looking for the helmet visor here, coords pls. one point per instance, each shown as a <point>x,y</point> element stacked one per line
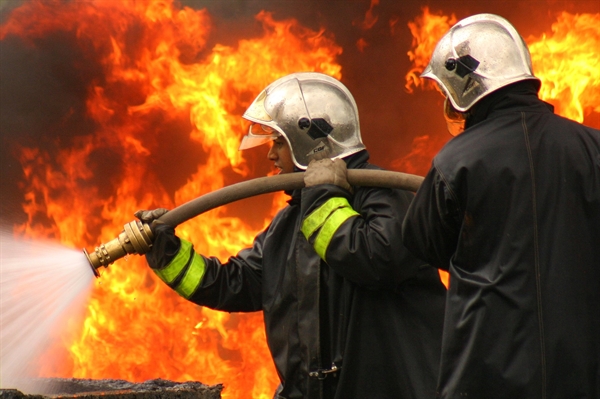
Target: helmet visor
<point>256,112</point>
<point>258,134</point>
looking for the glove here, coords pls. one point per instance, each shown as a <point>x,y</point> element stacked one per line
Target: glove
<point>165,246</point>
<point>150,217</point>
<point>327,171</point>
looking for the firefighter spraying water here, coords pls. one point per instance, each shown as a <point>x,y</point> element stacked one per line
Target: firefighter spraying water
<point>136,237</point>
<point>326,261</point>
<point>79,215</point>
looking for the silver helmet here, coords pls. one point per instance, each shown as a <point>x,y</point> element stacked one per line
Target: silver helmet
<point>478,55</point>
<point>315,113</point>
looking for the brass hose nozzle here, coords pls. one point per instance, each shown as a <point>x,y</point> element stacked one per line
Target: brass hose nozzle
<point>136,238</point>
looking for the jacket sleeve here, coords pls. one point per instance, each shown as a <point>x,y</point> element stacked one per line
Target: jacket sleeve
<point>234,286</point>
<point>432,224</point>
<point>359,236</point>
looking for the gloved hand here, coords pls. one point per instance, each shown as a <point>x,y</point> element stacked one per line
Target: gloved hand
<point>165,244</point>
<point>149,217</point>
<point>326,171</point>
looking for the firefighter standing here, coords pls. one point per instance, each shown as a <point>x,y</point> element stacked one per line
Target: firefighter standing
<point>511,208</point>
<point>348,312</point>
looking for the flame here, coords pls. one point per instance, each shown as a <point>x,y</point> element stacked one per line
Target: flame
<point>567,64</point>
<point>365,24</point>
<point>361,44</point>
<point>153,83</point>
<point>427,29</point>
<point>370,18</point>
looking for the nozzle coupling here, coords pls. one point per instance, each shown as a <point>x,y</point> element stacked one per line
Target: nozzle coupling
<point>136,238</point>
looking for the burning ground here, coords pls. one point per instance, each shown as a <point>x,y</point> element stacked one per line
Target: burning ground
<point>110,107</point>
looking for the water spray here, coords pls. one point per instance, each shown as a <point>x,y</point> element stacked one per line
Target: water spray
<point>137,237</point>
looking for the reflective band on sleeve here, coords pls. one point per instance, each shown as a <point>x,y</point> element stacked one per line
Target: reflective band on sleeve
<point>170,272</point>
<point>316,219</point>
<point>192,277</point>
<point>330,227</point>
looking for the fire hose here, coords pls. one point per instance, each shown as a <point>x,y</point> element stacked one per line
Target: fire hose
<point>137,237</point>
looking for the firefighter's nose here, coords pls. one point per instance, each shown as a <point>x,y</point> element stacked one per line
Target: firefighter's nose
<point>272,154</point>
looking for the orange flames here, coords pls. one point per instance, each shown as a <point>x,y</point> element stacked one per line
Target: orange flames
<point>164,119</point>
<point>427,30</point>
<point>567,63</point>
<point>156,83</point>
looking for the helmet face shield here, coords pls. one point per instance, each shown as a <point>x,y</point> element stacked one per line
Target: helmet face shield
<point>256,111</point>
<point>258,134</point>
<point>315,113</point>
<point>258,129</point>
<point>261,130</point>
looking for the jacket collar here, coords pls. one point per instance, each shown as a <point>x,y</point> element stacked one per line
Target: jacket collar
<point>520,94</point>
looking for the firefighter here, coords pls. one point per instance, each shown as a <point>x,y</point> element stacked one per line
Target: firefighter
<point>511,208</point>
<point>348,312</point>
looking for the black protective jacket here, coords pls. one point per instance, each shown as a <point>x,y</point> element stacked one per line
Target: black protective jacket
<point>511,207</point>
<point>372,310</point>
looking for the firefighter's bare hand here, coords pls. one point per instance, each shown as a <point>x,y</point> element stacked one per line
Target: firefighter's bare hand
<point>327,171</point>
<point>150,217</point>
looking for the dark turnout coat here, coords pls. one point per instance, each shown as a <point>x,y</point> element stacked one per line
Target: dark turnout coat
<point>511,207</point>
<point>373,311</point>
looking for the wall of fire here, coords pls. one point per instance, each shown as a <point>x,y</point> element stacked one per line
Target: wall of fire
<point>109,107</point>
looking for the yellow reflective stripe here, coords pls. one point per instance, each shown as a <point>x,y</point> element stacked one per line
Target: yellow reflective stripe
<point>316,219</point>
<point>170,272</point>
<point>191,278</point>
<point>330,227</point>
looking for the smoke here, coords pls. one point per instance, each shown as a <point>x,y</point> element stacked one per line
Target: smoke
<point>7,5</point>
<point>43,102</point>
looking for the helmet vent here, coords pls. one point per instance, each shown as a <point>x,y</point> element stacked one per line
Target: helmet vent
<point>304,123</point>
<point>450,64</point>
